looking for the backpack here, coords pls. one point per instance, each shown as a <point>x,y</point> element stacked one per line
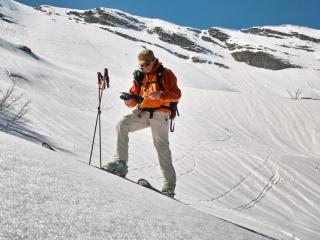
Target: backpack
<point>138,76</point>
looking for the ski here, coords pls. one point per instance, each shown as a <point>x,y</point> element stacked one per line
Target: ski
<point>141,182</point>
<point>144,183</point>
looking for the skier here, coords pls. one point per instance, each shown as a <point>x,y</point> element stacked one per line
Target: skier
<point>152,92</point>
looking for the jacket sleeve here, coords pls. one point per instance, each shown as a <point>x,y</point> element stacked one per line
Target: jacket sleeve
<point>171,92</point>
<point>134,88</point>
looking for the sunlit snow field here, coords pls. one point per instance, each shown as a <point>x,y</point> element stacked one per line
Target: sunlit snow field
<point>243,150</point>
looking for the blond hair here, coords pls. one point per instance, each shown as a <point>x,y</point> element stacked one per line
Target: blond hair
<point>146,55</point>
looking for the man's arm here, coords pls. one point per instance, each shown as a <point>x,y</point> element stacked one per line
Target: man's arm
<point>171,92</point>
<point>132,102</point>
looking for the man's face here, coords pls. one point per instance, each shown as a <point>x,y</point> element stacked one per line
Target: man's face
<point>147,66</point>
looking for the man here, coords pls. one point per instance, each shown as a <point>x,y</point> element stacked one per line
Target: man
<point>152,104</point>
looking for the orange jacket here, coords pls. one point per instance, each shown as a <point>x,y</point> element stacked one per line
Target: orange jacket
<point>171,92</point>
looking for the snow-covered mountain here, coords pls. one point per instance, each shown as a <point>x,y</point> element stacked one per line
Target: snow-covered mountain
<point>243,149</point>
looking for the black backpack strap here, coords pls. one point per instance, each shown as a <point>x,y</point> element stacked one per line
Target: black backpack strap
<point>160,71</point>
<point>173,106</point>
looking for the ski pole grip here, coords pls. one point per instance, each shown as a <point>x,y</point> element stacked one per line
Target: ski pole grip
<point>106,77</point>
<point>100,79</point>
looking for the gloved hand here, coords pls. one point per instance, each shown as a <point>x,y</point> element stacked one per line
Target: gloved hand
<point>126,96</point>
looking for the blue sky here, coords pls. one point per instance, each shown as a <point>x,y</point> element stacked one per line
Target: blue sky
<point>203,14</point>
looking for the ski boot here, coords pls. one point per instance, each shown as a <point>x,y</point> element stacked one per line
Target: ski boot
<point>117,167</point>
<point>168,189</point>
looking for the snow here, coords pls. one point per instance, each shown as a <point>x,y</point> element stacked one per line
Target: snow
<point>243,150</point>
<point>49,195</point>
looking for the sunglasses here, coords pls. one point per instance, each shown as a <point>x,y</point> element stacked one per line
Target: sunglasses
<point>146,64</point>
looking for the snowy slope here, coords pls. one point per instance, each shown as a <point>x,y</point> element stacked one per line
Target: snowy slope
<point>243,150</point>
<point>49,195</point>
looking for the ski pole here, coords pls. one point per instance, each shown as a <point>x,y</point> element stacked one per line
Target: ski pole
<point>103,81</point>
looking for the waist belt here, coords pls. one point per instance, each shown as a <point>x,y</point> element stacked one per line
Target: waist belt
<point>151,111</point>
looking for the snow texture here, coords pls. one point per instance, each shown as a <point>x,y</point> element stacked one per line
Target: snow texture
<point>243,150</point>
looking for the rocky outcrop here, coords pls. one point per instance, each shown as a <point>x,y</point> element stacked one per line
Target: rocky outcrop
<point>218,34</point>
<point>200,60</point>
<point>143,41</point>
<point>123,35</point>
<point>266,32</point>
<point>300,47</point>
<point>196,59</point>
<point>196,31</point>
<point>221,65</point>
<point>178,39</point>
<point>5,18</point>
<point>276,34</point>
<point>116,19</point>
<point>305,37</point>
<point>262,60</point>
<point>209,39</point>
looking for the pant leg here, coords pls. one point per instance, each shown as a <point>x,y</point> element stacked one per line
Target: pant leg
<point>160,133</point>
<point>129,123</point>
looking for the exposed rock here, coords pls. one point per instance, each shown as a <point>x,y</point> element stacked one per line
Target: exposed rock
<point>102,17</point>
<point>266,32</point>
<point>199,60</point>
<point>6,18</point>
<point>123,35</point>
<point>233,46</point>
<point>270,49</point>
<point>300,47</point>
<point>262,60</point>
<point>131,19</point>
<point>276,34</point>
<point>202,60</point>
<point>305,37</point>
<point>218,34</point>
<point>221,65</point>
<point>178,39</point>
<point>209,39</point>
<point>143,41</point>
<point>178,54</point>
<point>174,53</point>
<point>90,17</point>
<point>197,31</point>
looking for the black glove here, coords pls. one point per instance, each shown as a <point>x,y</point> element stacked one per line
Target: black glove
<point>127,96</point>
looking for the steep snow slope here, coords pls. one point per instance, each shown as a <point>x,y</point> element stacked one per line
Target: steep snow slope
<point>48,195</point>
<point>243,150</point>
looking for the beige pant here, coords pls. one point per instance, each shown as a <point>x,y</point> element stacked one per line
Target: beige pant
<point>159,124</point>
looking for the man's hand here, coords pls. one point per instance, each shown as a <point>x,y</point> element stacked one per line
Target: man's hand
<point>154,95</point>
